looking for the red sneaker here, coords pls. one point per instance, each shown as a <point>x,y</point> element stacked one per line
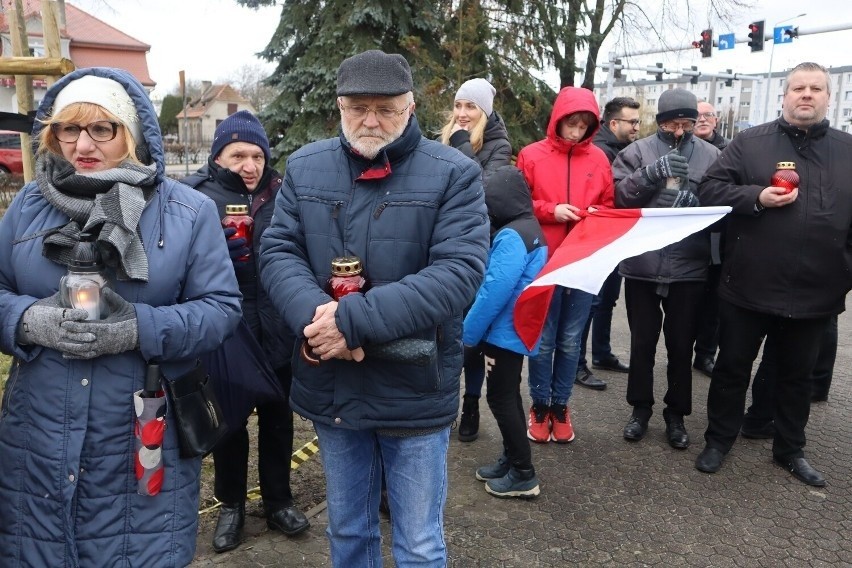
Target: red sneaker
<point>563,430</point>
<point>538,426</point>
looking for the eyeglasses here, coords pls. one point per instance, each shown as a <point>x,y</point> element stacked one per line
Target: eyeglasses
<point>99,131</point>
<point>360,111</point>
<point>633,122</point>
<point>674,126</point>
<point>707,115</point>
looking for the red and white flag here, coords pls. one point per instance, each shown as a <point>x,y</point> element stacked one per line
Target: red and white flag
<point>595,246</point>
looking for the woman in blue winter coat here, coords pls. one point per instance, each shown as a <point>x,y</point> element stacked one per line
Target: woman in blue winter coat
<point>518,253</point>
<point>68,487</point>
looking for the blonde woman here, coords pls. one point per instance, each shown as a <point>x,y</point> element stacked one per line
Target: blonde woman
<point>477,131</point>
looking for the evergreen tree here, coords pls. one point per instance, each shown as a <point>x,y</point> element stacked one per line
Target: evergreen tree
<point>172,105</point>
<point>311,40</point>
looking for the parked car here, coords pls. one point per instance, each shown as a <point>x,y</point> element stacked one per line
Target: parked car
<point>10,153</point>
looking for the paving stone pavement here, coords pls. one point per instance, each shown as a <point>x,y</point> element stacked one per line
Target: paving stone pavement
<point>609,502</point>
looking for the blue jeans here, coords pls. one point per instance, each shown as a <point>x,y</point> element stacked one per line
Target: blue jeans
<point>416,473</point>
<point>552,376</point>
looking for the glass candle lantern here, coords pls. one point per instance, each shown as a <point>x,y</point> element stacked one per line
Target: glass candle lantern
<point>237,217</point>
<point>81,287</point>
<point>786,176</point>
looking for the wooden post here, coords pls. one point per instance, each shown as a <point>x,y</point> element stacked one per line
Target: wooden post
<point>50,29</point>
<point>23,83</point>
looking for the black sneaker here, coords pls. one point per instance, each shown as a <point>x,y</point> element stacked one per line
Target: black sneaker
<point>469,424</point>
<point>495,470</point>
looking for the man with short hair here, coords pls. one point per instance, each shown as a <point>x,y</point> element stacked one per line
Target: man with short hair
<point>787,266</point>
<point>619,127</point>
<point>705,126</point>
<point>707,340</point>
<point>238,172</point>
<point>663,288</point>
<point>412,210</point>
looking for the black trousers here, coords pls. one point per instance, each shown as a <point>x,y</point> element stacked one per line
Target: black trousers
<point>797,343</point>
<point>646,309</point>
<point>762,409</point>
<point>707,335</point>
<point>503,376</point>
<point>275,447</point>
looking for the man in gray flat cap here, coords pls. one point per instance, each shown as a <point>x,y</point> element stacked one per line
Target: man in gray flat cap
<point>412,211</point>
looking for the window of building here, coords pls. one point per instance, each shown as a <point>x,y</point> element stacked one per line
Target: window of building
<point>847,111</point>
<point>847,96</point>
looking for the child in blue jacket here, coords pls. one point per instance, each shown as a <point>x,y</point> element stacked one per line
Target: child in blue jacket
<point>518,252</point>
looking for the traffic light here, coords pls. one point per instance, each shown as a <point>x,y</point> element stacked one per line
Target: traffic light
<point>792,32</point>
<point>694,79</point>
<point>617,74</point>
<point>729,81</point>
<point>705,44</point>
<point>659,76</point>
<point>755,34</point>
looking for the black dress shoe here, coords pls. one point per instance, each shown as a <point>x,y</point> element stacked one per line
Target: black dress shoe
<point>704,365</point>
<point>635,429</point>
<point>611,363</point>
<point>819,396</point>
<point>229,527</point>
<point>765,431</point>
<point>802,470</point>
<point>289,520</point>
<point>709,460</point>
<point>587,379</point>
<point>676,433</point>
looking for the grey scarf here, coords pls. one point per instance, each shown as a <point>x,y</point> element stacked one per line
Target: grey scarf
<point>107,203</point>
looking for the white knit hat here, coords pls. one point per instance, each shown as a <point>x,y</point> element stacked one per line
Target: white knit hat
<point>480,92</point>
<point>103,92</point>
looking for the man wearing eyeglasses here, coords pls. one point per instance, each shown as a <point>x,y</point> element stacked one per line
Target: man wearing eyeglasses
<point>705,125</point>
<point>619,127</point>
<point>413,211</point>
<point>663,289</point>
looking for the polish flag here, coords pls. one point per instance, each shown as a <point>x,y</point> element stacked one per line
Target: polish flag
<point>595,246</point>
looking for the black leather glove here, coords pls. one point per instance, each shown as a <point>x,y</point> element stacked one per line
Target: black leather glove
<point>42,323</point>
<point>676,198</point>
<point>116,333</point>
<point>237,248</point>
<point>670,165</point>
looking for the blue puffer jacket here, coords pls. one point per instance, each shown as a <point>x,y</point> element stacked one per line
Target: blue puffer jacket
<point>67,485</point>
<point>518,253</point>
<point>416,218</point>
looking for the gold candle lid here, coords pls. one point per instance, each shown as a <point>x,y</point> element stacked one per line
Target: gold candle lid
<point>786,165</point>
<point>346,266</point>
<point>236,209</point>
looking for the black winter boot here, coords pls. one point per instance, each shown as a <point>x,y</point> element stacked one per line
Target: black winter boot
<point>469,425</point>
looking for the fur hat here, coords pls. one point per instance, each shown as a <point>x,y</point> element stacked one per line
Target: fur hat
<point>478,91</point>
<point>242,126</point>
<point>676,103</point>
<point>103,92</point>
<point>374,72</point>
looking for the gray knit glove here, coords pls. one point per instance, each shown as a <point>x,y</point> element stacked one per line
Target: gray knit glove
<point>42,323</point>
<point>114,334</point>
<point>670,165</point>
<point>676,198</point>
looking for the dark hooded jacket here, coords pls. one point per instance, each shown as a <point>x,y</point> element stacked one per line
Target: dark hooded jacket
<point>606,140</point>
<point>518,253</point>
<point>496,149</point>
<point>68,492</point>
<point>227,188</point>
<point>560,171</point>
<point>793,261</point>
<point>687,259</point>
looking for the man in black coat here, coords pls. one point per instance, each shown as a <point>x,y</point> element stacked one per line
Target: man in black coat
<point>238,173</point>
<point>619,127</point>
<point>787,265</point>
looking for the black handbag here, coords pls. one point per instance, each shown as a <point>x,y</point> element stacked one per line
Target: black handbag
<point>200,424</point>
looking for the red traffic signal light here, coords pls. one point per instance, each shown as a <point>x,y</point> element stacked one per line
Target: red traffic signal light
<point>755,34</point>
<point>705,44</point>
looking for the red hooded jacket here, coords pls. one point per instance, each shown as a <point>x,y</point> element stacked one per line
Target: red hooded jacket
<point>560,171</point>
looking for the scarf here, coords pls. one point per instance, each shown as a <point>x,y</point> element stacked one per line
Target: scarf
<point>108,204</point>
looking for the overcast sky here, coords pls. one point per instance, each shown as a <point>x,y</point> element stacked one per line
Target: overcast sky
<point>209,38</point>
